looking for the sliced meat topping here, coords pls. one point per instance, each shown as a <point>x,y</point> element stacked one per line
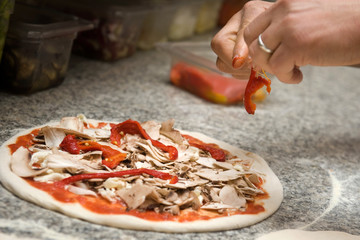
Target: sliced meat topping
<point>153,151</point>
<point>136,195</point>
<point>81,190</point>
<point>219,175</point>
<point>20,164</point>
<point>152,128</point>
<point>167,129</point>
<point>197,180</point>
<point>72,123</point>
<point>229,196</point>
<point>53,136</point>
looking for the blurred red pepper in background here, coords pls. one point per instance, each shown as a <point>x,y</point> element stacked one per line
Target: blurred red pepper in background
<point>208,85</point>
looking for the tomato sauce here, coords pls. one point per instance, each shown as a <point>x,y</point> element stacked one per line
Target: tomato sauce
<point>24,141</point>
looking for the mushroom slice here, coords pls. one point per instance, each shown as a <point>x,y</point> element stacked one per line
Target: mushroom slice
<point>168,131</point>
<point>178,185</point>
<point>212,163</point>
<point>152,128</point>
<point>157,198</point>
<point>97,133</point>
<point>140,164</point>
<point>224,165</point>
<point>219,176</point>
<point>214,196</point>
<point>153,151</point>
<point>73,123</point>
<point>174,209</point>
<point>81,189</point>
<point>20,161</point>
<point>154,161</point>
<point>216,206</point>
<point>172,196</point>
<point>38,148</point>
<point>211,193</point>
<point>60,162</point>
<point>76,133</point>
<point>115,183</point>
<point>229,196</point>
<point>254,179</point>
<point>38,159</point>
<point>75,163</point>
<point>206,161</point>
<point>51,177</point>
<point>136,195</point>
<point>53,136</point>
<point>241,164</point>
<point>189,199</point>
<point>108,194</point>
<point>194,182</point>
<point>90,159</point>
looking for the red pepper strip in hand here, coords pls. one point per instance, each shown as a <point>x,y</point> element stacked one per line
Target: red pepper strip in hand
<point>111,157</point>
<point>70,144</point>
<point>162,175</point>
<point>215,152</point>
<point>254,84</point>
<point>134,127</point>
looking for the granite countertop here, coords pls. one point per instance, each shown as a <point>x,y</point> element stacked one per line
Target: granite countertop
<point>308,133</point>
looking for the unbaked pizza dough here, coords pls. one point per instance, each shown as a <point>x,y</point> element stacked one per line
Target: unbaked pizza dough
<point>21,188</point>
<point>293,234</point>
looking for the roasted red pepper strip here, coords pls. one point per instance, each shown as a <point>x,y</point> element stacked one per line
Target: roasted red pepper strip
<point>70,144</point>
<point>215,152</point>
<point>132,172</point>
<point>111,157</point>
<point>254,84</point>
<point>134,127</point>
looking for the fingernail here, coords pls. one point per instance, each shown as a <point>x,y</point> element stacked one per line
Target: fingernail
<point>238,61</point>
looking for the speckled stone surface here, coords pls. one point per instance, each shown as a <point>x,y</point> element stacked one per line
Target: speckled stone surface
<point>308,133</point>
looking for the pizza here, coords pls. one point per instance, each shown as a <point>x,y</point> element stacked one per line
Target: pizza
<point>144,176</point>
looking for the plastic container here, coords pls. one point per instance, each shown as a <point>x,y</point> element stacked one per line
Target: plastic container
<point>193,69</point>
<point>37,48</point>
<point>118,26</point>
<point>208,16</point>
<point>184,21</point>
<point>6,9</point>
<point>157,23</point>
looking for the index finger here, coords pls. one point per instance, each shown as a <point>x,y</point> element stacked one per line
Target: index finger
<point>250,11</point>
<point>223,42</point>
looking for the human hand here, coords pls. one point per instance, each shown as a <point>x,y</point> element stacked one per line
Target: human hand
<point>299,32</point>
<point>229,43</point>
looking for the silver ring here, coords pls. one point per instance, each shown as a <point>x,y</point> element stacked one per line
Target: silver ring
<point>263,46</point>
